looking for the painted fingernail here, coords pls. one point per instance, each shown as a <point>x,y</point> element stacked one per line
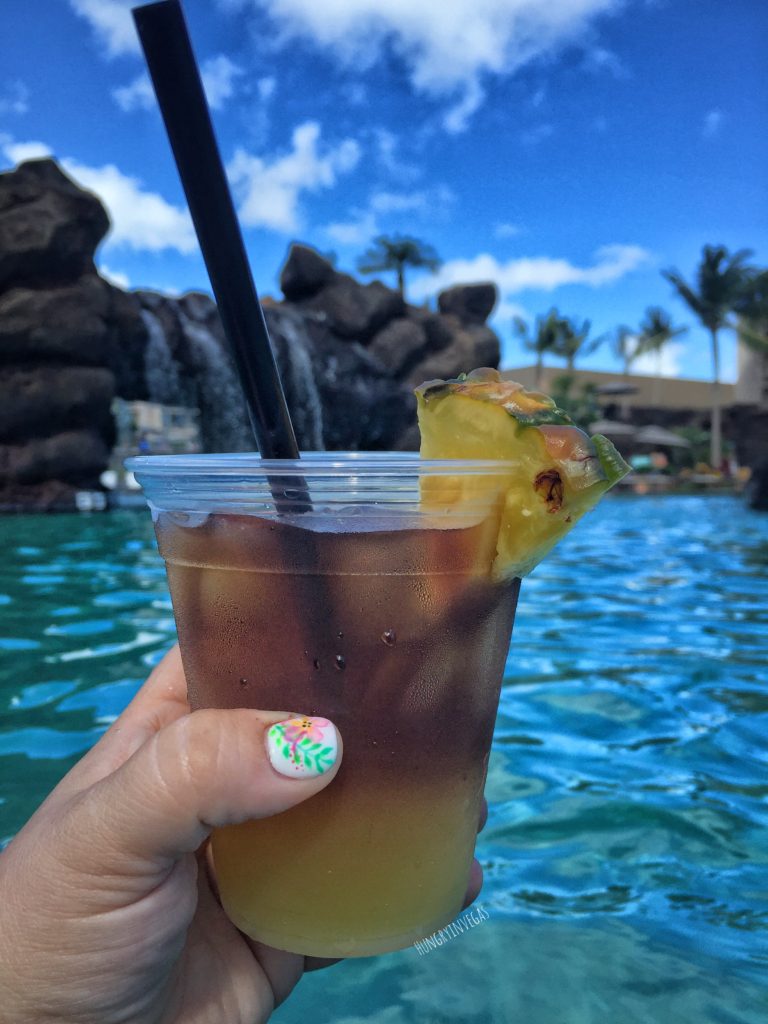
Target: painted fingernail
<point>303,748</point>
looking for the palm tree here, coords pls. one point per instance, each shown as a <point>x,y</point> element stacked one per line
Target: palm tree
<point>543,339</point>
<point>397,252</point>
<point>573,340</point>
<point>624,344</point>
<point>722,279</point>
<point>752,312</point>
<point>655,331</point>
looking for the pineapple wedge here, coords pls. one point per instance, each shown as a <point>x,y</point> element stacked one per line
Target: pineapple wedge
<point>557,472</point>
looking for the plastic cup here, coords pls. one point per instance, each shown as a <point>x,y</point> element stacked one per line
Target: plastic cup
<point>375,610</point>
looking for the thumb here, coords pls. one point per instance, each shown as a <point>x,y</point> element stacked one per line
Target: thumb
<point>207,769</point>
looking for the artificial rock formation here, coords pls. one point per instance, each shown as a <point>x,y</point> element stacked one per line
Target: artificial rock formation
<point>61,330</point>
<point>349,353</point>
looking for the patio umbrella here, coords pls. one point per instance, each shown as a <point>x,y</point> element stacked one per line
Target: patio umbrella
<point>612,428</point>
<point>658,437</point>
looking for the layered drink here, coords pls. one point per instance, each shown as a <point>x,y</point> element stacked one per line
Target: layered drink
<point>389,624</point>
<point>377,591</point>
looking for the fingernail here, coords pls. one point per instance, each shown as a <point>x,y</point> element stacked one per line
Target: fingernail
<point>302,748</point>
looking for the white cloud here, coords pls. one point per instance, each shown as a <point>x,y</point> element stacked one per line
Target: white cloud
<point>712,123</point>
<point>397,202</point>
<point>15,98</point>
<point>456,119</point>
<point>387,146</point>
<point>265,88</point>
<point>115,277</point>
<point>364,224</point>
<point>361,229</point>
<point>141,220</point>
<point>218,75</point>
<point>139,95</point>
<point>666,363</point>
<point>539,96</point>
<point>533,136</point>
<point>598,59</point>
<point>505,311</point>
<point>356,94</point>
<point>269,191</point>
<point>448,46</point>
<point>111,22</point>
<point>540,273</point>
<point>400,202</point>
<point>507,230</point>
<point>18,152</point>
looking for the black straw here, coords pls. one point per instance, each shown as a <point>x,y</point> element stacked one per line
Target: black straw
<point>179,89</point>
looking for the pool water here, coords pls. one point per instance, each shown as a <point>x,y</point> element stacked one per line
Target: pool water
<point>626,853</point>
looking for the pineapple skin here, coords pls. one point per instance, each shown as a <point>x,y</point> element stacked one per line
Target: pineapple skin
<point>557,472</point>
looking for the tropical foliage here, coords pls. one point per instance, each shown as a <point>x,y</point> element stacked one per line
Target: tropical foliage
<point>656,330</point>
<point>557,335</point>
<point>579,401</point>
<point>573,340</point>
<point>541,340</point>
<point>624,345</point>
<point>752,312</point>
<point>396,252</point>
<point>723,280</point>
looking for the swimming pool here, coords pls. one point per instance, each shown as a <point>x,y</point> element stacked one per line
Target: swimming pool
<point>626,854</point>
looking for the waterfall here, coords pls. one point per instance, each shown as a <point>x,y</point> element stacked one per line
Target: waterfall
<point>160,371</point>
<point>196,371</point>
<point>222,409</point>
<point>301,386</point>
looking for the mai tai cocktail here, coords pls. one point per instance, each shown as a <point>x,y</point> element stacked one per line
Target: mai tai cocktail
<point>386,607</point>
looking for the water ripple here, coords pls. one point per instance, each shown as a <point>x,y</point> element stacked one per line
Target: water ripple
<point>625,855</point>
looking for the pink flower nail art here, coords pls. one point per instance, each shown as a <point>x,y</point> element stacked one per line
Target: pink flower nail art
<point>302,747</point>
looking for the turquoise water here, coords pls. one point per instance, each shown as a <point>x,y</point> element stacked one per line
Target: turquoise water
<point>626,854</point>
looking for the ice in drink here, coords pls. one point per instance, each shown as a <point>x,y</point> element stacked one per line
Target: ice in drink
<point>399,636</point>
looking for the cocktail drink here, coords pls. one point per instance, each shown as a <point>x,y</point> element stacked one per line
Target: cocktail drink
<point>377,594</point>
<point>372,610</point>
<point>377,591</point>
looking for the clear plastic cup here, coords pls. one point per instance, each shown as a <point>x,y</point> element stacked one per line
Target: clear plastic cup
<point>374,608</point>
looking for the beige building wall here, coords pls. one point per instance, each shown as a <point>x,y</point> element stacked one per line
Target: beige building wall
<point>658,392</point>
<point>752,383</point>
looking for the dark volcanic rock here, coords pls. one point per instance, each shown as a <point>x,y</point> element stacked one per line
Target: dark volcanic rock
<point>66,324</point>
<point>61,327</point>
<point>70,341</point>
<point>47,496</point>
<point>336,392</point>
<point>126,342</point>
<point>304,273</point>
<point>49,226</point>
<point>38,401</point>
<point>75,456</point>
<point>756,492</point>
<point>439,331</point>
<point>399,345</point>
<point>470,348</point>
<point>353,310</point>
<point>487,348</point>
<point>471,303</point>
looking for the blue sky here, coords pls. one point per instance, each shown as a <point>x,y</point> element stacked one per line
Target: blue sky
<point>568,149</point>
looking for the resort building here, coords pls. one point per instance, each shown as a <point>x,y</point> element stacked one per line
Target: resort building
<point>632,391</point>
<point>149,427</point>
